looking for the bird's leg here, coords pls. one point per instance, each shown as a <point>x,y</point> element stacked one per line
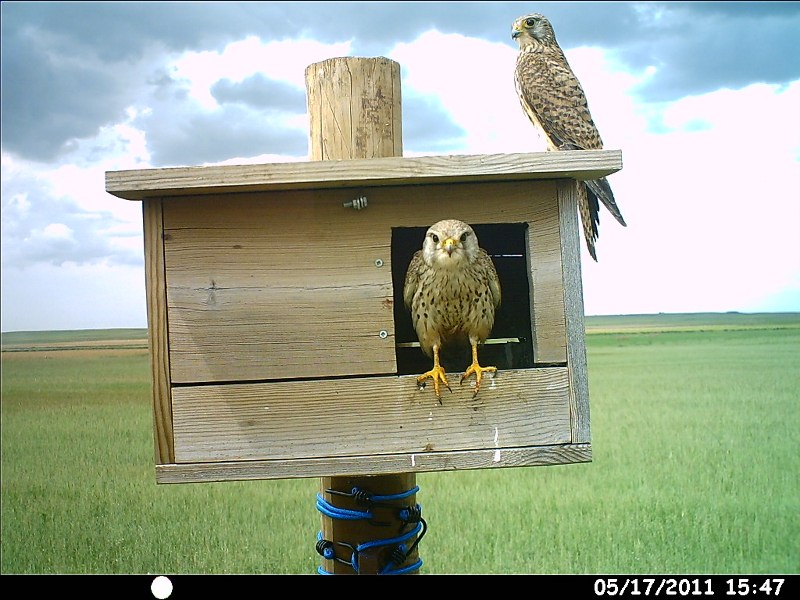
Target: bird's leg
<point>436,373</point>
<point>476,369</point>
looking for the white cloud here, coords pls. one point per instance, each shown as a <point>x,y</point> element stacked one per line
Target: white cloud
<point>56,231</point>
<point>712,211</point>
<point>69,296</point>
<point>699,189</point>
<point>477,90</point>
<point>283,60</point>
<point>709,184</point>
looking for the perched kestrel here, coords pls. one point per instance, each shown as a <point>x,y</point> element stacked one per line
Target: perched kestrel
<point>553,99</point>
<point>452,290</point>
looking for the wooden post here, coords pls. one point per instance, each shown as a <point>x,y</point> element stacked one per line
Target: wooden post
<point>355,111</point>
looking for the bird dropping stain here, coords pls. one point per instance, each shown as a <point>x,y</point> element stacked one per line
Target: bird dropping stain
<point>211,300</point>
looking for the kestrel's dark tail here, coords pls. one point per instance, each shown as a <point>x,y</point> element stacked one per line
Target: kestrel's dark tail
<point>602,191</point>
<point>588,208</point>
<point>589,197</point>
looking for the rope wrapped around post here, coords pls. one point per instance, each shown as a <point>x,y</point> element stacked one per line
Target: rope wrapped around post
<point>395,549</point>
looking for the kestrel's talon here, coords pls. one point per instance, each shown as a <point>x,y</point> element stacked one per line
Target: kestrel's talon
<point>477,370</point>
<point>438,375</point>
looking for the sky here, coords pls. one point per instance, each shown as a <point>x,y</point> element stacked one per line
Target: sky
<point>702,98</point>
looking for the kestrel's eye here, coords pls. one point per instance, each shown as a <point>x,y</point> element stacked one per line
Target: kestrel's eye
<point>435,238</point>
<point>464,236</point>
<point>530,22</point>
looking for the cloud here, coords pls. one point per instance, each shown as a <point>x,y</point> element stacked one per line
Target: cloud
<point>261,92</point>
<point>40,226</point>
<point>72,296</point>
<point>45,103</point>
<point>92,87</point>
<point>71,68</point>
<point>711,211</point>
<point>697,47</point>
<point>245,99</point>
<point>477,92</point>
<point>178,137</point>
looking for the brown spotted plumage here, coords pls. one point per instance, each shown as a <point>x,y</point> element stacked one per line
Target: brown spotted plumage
<point>452,291</point>
<point>554,100</point>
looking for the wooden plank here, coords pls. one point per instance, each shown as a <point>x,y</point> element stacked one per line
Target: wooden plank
<point>355,109</point>
<point>289,287</point>
<point>158,336</point>
<point>573,303</point>
<point>320,174</point>
<point>392,463</point>
<point>546,283</point>
<point>275,333</point>
<point>277,300</point>
<point>368,416</point>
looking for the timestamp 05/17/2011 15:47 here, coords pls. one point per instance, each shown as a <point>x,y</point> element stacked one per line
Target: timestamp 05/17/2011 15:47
<point>716,585</point>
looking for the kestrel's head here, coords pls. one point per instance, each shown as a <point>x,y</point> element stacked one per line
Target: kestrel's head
<point>533,29</point>
<point>450,244</point>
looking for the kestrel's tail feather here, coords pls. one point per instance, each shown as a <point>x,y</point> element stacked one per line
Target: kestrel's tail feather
<point>588,208</point>
<point>600,188</point>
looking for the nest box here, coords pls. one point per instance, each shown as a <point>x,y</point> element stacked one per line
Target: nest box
<point>279,341</point>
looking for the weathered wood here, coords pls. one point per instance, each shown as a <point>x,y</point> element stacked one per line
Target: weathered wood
<point>266,421</point>
<point>266,294</point>
<point>257,292</point>
<point>355,109</point>
<point>418,462</point>
<point>355,112</point>
<point>573,303</point>
<point>373,172</point>
<point>546,282</point>
<point>157,334</point>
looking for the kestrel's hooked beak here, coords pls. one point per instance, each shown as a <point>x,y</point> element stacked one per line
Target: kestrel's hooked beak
<point>449,246</point>
<point>515,33</point>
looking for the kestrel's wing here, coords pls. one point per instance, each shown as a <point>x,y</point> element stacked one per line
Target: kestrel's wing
<point>599,188</point>
<point>494,280</point>
<point>412,278</point>
<point>554,99</point>
<point>589,212</point>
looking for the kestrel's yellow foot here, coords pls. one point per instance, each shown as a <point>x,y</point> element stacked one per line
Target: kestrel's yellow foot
<point>478,371</point>
<point>438,375</point>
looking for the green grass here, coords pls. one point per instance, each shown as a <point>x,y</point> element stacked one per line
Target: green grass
<point>69,335</point>
<point>695,432</point>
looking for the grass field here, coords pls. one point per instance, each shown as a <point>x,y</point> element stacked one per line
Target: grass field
<point>695,427</point>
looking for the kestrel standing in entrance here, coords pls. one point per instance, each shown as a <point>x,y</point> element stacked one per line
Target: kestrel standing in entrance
<point>553,99</point>
<point>453,291</point>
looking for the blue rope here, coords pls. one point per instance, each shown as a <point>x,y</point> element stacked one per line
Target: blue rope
<point>335,512</point>
<point>399,496</point>
<point>389,541</point>
<point>403,571</point>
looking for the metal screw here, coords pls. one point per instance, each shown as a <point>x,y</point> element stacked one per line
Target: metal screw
<point>383,334</point>
<point>378,263</point>
<point>357,203</point>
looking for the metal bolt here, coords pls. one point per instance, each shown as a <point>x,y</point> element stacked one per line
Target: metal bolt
<point>378,263</point>
<point>383,334</point>
<point>357,203</point>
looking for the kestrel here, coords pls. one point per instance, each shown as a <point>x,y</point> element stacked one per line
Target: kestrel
<point>452,291</point>
<point>553,99</point>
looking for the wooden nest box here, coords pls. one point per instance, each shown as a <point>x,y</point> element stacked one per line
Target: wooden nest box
<point>280,343</point>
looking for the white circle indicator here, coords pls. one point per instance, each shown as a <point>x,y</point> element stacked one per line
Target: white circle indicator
<point>161,587</point>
